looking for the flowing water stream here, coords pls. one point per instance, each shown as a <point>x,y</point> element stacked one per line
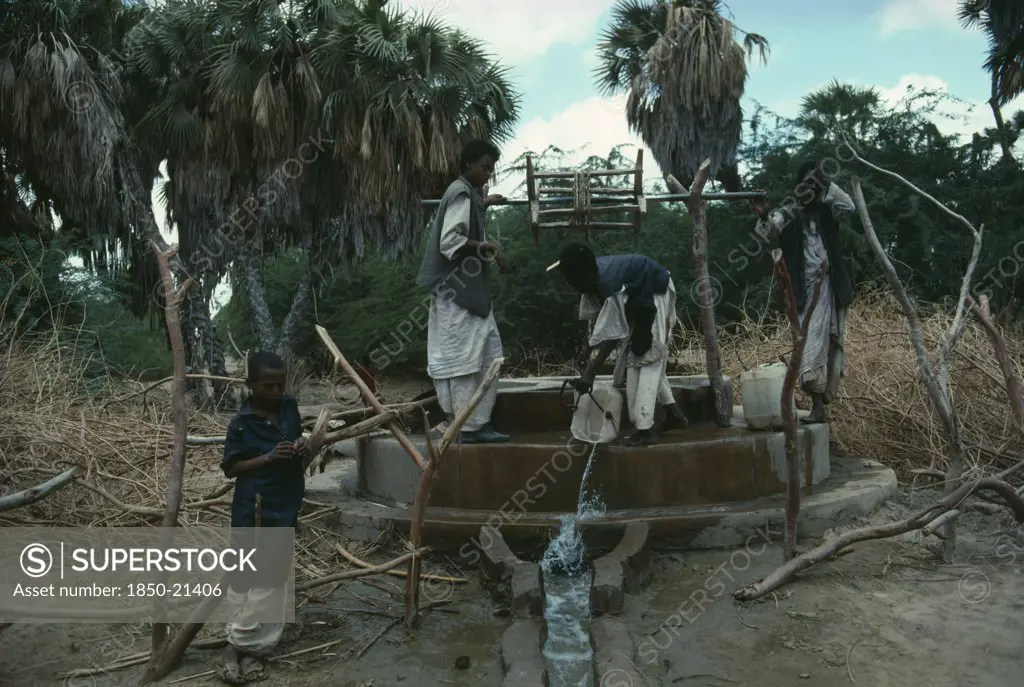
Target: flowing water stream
<point>567,580</point>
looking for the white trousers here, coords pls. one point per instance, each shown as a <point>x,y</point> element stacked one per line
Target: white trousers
<point>646,388</point>
<point>247,634</point>
<point>454,393</point>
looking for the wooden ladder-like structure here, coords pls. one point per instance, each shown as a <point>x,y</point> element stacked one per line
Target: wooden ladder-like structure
<point>582,202</point>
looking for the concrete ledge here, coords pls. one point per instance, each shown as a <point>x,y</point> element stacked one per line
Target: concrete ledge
<point>522,656</point>
<point>614,654</point>
<point>514,582</point>
<point>625,569</point>
<point>855,488</point>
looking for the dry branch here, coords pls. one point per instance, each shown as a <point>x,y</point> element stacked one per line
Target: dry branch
<point>799,334</point>
<point>1013,391</point>
<point>397,573</point>
<point>713,356</point>
<point>168,660</point>
<point>412,582</point>
<point>938,385</point>
<point>154,385</point>
<point>172,299</point>
<point>832,548</point>
<point>936,380</point>
<point>341,363</point>
<point>1013,386</point>
<point>41,491</point>
<point>316,442</point>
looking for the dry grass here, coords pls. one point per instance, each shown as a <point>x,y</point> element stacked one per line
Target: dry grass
<point>882,411</point>
<point>52,417</point>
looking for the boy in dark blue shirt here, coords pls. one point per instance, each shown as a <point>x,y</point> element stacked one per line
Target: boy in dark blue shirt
<point>266,454</point>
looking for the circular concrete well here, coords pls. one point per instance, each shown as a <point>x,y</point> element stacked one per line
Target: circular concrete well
<point>701,487</point>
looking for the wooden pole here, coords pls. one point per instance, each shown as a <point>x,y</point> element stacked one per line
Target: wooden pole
<point>798,332</point>
<point>412,580</point>
<point>371,400</point>
<point>713,356</point>
<point>172,299</point>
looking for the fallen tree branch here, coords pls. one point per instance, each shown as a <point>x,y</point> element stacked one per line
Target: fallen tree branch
<point>38,492</point>
<point>798,331</point>
<point>362,572</point>
<point>412,581</point>
<point>832,548</point>
<point>169,659</point>
<point>397,573</point>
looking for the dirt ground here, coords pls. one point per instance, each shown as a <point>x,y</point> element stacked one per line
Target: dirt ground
<point>889,613</point>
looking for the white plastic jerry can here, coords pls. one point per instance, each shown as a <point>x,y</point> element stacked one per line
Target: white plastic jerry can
<point>597,416</point>
<point>762,396</point>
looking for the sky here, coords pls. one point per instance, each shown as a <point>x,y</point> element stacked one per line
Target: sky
<point>550,47</point>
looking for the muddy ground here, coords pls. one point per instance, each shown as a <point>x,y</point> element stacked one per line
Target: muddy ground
<point>889,613</point>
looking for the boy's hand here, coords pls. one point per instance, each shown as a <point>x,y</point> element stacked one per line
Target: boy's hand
<point>302,447</point>
<point>283,451</point>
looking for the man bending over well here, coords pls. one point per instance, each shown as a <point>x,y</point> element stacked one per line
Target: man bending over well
<point>631,301</point>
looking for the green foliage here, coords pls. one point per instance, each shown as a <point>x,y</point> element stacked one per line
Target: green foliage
<point>41,296</point>
<point>376,310</point>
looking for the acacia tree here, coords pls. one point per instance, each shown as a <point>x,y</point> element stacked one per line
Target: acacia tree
<point>685,73</point>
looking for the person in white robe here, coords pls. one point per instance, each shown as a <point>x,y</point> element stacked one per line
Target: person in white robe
<point>462,335</point>
<point>631,302</point>
<point>808,231</point>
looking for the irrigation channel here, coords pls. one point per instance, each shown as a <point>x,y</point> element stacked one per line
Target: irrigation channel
<point>567,575</point>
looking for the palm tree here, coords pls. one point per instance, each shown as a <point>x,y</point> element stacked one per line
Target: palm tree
<point>379,101</point>
<point>839,106</point>
<point>685,74</point>
<point>1003,22</point>
<point>61,128</point>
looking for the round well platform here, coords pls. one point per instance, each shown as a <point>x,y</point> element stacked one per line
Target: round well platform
<point>540,469</point>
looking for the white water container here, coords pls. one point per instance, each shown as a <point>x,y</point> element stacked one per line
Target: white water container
<point>590,423</point>
<point>762,396</point>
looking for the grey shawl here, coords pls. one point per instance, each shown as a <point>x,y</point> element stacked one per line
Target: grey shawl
<point>465,280</point>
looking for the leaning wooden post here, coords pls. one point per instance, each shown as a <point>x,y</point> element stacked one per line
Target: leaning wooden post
<point>412,580</point>
<point>798,331</point>
<point>172,299</point>
<point>723,406</point>
<point>393,425</point>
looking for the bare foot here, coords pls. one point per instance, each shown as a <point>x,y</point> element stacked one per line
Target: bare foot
<point>230,671</point>
<point>252,668</point>
<point>814,419</point>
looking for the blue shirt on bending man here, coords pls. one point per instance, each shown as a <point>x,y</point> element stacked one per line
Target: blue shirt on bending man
<point>631,302</point>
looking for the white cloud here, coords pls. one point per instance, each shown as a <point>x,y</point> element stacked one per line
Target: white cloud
<point>522,30</point>
<point>913,15</point>
<point>589,127</point>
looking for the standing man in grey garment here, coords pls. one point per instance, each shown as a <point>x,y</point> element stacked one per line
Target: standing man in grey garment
<point>808,231</point>
<point>462,336</point>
